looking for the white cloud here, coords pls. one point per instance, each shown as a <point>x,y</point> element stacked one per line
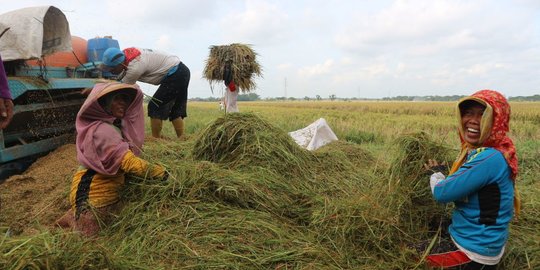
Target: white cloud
<point>401,68</point>
<point>317,70</point>
<point>261,23</point>
<point>164,13</point>
<point>405,24</point>
<point>163,43</point>
<point>346,61</point>
<point>376,70</point>
<point>284,66</point>
<point>482,69</point>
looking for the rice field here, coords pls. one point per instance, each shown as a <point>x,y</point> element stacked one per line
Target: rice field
<point>373,122</point>
<point>242,195</point>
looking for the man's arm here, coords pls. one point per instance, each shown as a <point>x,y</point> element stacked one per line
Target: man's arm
<point>133,72</point>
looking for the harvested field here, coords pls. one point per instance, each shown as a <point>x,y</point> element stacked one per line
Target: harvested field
<point>242,195</point>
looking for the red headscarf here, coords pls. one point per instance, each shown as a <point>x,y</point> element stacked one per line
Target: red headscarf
<point>100,146</point>
<point>497,114</point>
<point>131,53</point>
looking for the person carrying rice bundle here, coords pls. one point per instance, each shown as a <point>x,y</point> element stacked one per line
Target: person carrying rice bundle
<point>110,134</point>
<point>231,95</point>
<point>235,64</point>
<point>481,184</point>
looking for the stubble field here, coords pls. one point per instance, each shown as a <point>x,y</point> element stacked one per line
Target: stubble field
<point>246,197</point>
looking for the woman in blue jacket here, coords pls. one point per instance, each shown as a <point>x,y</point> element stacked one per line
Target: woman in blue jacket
<point>481,184</point>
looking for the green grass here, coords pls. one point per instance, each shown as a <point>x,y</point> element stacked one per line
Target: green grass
<point>241,196</point>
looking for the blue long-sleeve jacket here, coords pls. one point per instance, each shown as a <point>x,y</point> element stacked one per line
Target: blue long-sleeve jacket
<point>483,194</point>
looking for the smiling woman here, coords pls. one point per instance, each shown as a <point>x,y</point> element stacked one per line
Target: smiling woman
<point>471,116</point>
<point>481,186</point>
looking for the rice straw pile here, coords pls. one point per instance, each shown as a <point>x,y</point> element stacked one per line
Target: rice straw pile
<point>412,180</point>
<point>242,60</point>
<point>246,140</point>
<point>244,196</point>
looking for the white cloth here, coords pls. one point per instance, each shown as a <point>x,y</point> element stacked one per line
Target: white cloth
<point>34,32</point>
<point>487,260</point>
<point>149,67</point>
<point>230,101</point>
<point>434,179</point>
<point>314,136</point>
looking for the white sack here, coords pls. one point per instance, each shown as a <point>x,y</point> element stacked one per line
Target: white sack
<point>34,32</point>
<point>314,136</point>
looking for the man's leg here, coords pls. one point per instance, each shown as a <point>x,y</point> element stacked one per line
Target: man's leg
<point>156,124</point>
<point>158,110</point>
<point>178,125</point>
<point>179,109</point>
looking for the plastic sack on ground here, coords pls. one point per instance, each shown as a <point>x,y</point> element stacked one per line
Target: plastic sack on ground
<point>314,136</point>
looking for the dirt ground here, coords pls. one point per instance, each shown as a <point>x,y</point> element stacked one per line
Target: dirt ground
<point>40,195</point>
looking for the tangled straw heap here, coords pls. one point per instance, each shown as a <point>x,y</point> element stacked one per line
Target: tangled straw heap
<point>242,60</point>
<point>409,175</point>
<point>243,139</point>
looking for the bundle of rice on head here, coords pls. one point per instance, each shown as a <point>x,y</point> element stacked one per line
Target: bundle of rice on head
<point>235,63</point>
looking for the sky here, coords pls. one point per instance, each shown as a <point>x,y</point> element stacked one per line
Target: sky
<point>356,48</point>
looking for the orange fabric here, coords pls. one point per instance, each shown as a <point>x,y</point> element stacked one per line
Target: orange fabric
<point>497,138</point>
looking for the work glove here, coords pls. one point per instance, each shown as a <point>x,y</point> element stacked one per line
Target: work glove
<point>436,171</point>
<point>434,179</point>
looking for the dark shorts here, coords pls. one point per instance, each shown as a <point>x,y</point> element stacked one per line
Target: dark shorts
<point>170,99</point>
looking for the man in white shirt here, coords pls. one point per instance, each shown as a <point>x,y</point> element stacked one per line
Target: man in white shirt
<point>157,68</point>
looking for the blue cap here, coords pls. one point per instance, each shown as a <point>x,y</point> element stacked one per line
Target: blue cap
<point>113,57</point>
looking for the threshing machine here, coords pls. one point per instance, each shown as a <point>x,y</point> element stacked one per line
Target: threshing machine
<point>46,74</point>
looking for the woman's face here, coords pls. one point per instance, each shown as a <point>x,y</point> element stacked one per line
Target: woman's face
<point>471,117</point>
<point>119,105</point>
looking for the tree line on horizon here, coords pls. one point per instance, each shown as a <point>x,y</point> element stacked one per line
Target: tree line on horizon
<point>333,97</point>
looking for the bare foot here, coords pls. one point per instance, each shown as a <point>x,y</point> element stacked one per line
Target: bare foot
<point>87,224</point>
<point>67,220</point>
